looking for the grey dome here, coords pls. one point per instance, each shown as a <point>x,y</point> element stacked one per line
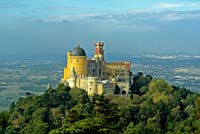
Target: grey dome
<point>78,51</point>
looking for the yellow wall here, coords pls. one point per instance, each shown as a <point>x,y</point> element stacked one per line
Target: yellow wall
<point>82,83</point>
<point>65,75</point>
<point>92,86</point>
<point>78,62</point>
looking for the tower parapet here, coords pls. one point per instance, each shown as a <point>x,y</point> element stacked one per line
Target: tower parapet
<point>99,50</point>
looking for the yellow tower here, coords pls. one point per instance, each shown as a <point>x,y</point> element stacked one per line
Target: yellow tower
<point>76,59</point>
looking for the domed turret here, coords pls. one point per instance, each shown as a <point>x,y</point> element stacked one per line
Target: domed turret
<point>76,59</point>
<point>78,51</point>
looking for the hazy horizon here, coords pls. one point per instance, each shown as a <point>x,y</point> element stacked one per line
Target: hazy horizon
<point>128,27</point>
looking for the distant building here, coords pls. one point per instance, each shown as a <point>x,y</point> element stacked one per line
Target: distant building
<point>95,75</point>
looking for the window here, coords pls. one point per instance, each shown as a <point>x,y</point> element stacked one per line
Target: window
<point>91,83</point>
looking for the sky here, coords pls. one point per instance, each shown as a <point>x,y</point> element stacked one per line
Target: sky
<point>50,27</point>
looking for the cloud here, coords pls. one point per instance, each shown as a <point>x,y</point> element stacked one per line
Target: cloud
<point>111,20</point>
<point>130,18</point>
<point>165,5</point>
<point>67,8</point>
<point>144,21</point>
<point>181,16</point>
<point>141,20</point>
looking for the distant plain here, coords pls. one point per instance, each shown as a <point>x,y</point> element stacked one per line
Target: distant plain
<point>32,75</point>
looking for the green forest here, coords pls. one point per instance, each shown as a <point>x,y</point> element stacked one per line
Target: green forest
<point>154,107</point>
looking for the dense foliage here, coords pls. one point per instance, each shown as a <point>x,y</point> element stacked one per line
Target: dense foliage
<point>155,107</point>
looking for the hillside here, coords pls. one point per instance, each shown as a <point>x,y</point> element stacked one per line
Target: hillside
<point>155,106</point>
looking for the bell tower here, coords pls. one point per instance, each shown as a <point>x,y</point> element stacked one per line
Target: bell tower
<point>99,50</point>
<point>99,57</point>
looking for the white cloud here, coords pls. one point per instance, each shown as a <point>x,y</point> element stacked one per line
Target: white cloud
<point>130,18</point>
<point>84,18</point>
<point>147,20</point>
<point>165,5</point>
<point>178,16</point>
<point>168,5</point>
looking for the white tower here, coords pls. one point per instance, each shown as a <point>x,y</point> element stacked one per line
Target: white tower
<point>72,79</point>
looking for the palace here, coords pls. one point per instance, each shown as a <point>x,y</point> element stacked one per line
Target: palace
<point>95,75</point>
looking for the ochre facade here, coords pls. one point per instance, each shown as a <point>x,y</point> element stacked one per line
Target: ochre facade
<point>79,63</point>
